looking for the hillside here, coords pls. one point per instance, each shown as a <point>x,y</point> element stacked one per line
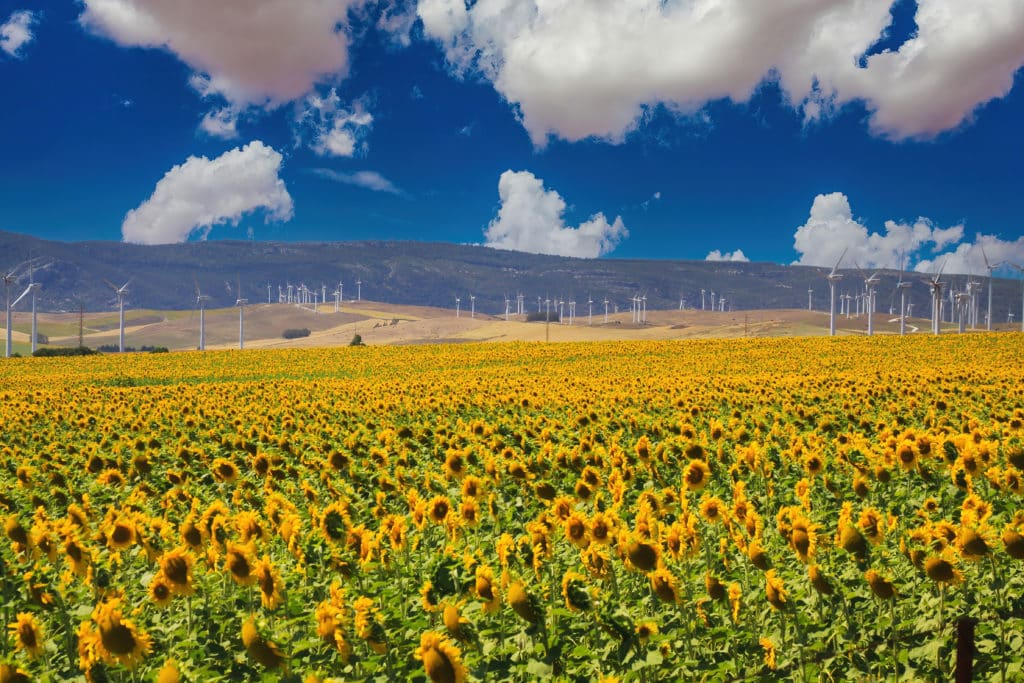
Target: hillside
<point>418,273</point>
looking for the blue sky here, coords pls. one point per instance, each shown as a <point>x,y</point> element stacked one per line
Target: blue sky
<point>638,129</point>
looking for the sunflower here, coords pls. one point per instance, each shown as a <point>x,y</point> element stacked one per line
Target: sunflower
<point>803,538</point>
<point>646,629</point>
<point>972,544</point>
<point>575,594</point>
<point>642,554</point>
<point>168,672</point>
<point>441,659</point>
<point>28,635</point>
<point>663,583</point>
<point>774,589</point>
<point>852,541</point>
<point>522,603</point>
<point>735,597</point>
<point>941,569</point>
<point>696,475</point>
<point>334,521</point>
<point>906,455</point>
<point>485,589</point>
<point>224,470</point>
<point>602,527</point>
<point>176,569</point>
<point>239,564</point>
<point>15,531</point>
<point>264,651</point>
<point>121,533</point>
<point>769,652</point>
<point>115,639</point>
<point>439,508</point>
<point>368,624</point>
<point>1014,543</point>
<point>715,588</point>
<point>12,674</point>
<point>576,530</point>
<point>77,555</point>
<point>455,464</point>
<point>712,509</point>
<point>818,580</point>
<point>269,582</point>
<point>159,591</point>
<point>880,586</point>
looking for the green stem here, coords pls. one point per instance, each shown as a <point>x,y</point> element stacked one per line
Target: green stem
<point>895,640</point>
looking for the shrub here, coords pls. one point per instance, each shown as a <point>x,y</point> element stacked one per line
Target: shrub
<point>295,332</point>
<point>64,351</point>
<point>357,340</point>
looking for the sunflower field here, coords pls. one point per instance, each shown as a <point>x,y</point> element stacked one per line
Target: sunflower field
<point>753,509</point>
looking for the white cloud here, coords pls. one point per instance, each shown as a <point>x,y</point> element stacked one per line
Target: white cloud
<point>221,123</point>
<point>253,52</point>
<point>530,219</point>
<point>16,32</point>
<point>831,228</point>
<point>579,68</point>
<point>371,180</point>
<point>202,193</point>
<point>737,255</point>
<point>969,258</point>
<point>334,130</point>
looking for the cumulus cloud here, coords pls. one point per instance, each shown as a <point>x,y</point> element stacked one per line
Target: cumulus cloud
<point>253,52</point>
<point>334,130</point>
<point>832,229</point>
<point>221,123</point>
<point>201,193</point>
<point>737,255</point>
<point>16,32</point>
<point>531,219</point>
<point>970,258</point>
<point>371,180</point>
<point>578,68</point>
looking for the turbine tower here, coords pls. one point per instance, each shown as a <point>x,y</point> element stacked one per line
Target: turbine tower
<point>472,305</point>
<point>31,289</point>
<point>869,298</point>
<point>241,302</point>
<point>201,299</point>
<point>991,267</point>
<point>359,290</point>
<point>936,285</point>
<point>833,277</point>
<point>901,287</point>
<point>458,302</point>
<point>1020,269</point>
<point>606,310</point>
<point>590,311</point>
<point>809,300</point>
<point>121,292</point>
<point>9,281</point>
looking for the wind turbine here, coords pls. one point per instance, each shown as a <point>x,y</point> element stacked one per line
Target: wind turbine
<point>590,311</point>
<point>809,300</point>
<point>901,287</point>
<point>936,286</point>
<point>31,289</point>
<point>201,299</point>
<point>359,290</point>
<point>507,304</point>
<point>833,277</point>
<point>963,300</point>
<point>472,305</point>
<point>241,302</point>
<point>991,267</point>
<point>702,300</point>
<point>1019,269</point>
<point>606,310</point>
<point>869,298</point>
<point>458,302</point>
<point>121,292</point>
<point>9,280</point>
